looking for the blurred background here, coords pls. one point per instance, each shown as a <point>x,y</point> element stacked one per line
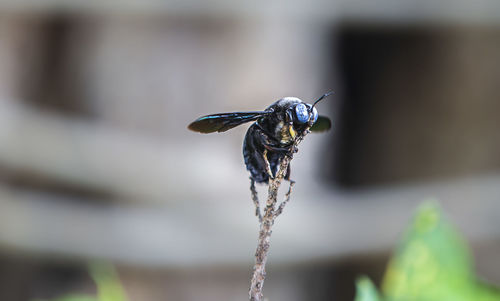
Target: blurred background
<point>96,162</point>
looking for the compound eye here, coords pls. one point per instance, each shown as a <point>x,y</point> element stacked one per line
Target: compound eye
<point>315,115</point>
<point>302,113</point>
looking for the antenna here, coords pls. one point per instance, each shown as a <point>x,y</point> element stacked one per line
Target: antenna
<point>322,97</point>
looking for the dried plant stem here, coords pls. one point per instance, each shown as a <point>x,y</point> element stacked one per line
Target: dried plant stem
<point>267,221</point>
<point>286,200</point>
<point>255,199</point>
<point>259,272</point>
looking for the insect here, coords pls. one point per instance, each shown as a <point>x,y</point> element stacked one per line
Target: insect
<point>271,136</point>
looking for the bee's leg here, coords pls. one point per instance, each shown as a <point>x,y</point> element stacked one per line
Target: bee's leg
<point>267,164</point>
<point>255,199</point>
<point>287,198</point>
<point>287,175</point>
<point>278,149</point>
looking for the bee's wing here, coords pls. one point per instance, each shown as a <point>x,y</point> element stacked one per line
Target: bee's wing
<point>322,124</point>
<point>223,121</point>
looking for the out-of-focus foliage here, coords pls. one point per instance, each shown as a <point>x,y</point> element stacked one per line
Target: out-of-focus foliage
<point>366,290</point>
<point>432,263</point>
<point>108,285</point>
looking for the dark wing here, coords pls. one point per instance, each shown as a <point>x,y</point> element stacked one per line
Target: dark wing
<point>223,121</point>
<point>322,124</point>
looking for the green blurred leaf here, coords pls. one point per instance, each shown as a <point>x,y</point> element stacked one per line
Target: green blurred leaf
<point>366,290</point>
<point>109,287</point>
<point>431,263</point>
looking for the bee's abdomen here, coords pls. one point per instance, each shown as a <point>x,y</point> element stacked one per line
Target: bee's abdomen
<point>253,153</point>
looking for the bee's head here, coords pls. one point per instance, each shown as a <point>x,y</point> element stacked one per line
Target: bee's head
<point>289,117</point>
<point>303,113</point>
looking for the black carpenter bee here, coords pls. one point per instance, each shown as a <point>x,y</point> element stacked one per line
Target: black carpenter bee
<point>271,136</point>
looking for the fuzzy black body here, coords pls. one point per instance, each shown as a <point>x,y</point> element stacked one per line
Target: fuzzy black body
<point>255,146</point>
<point>271,137</point>
<point>272,134</point>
